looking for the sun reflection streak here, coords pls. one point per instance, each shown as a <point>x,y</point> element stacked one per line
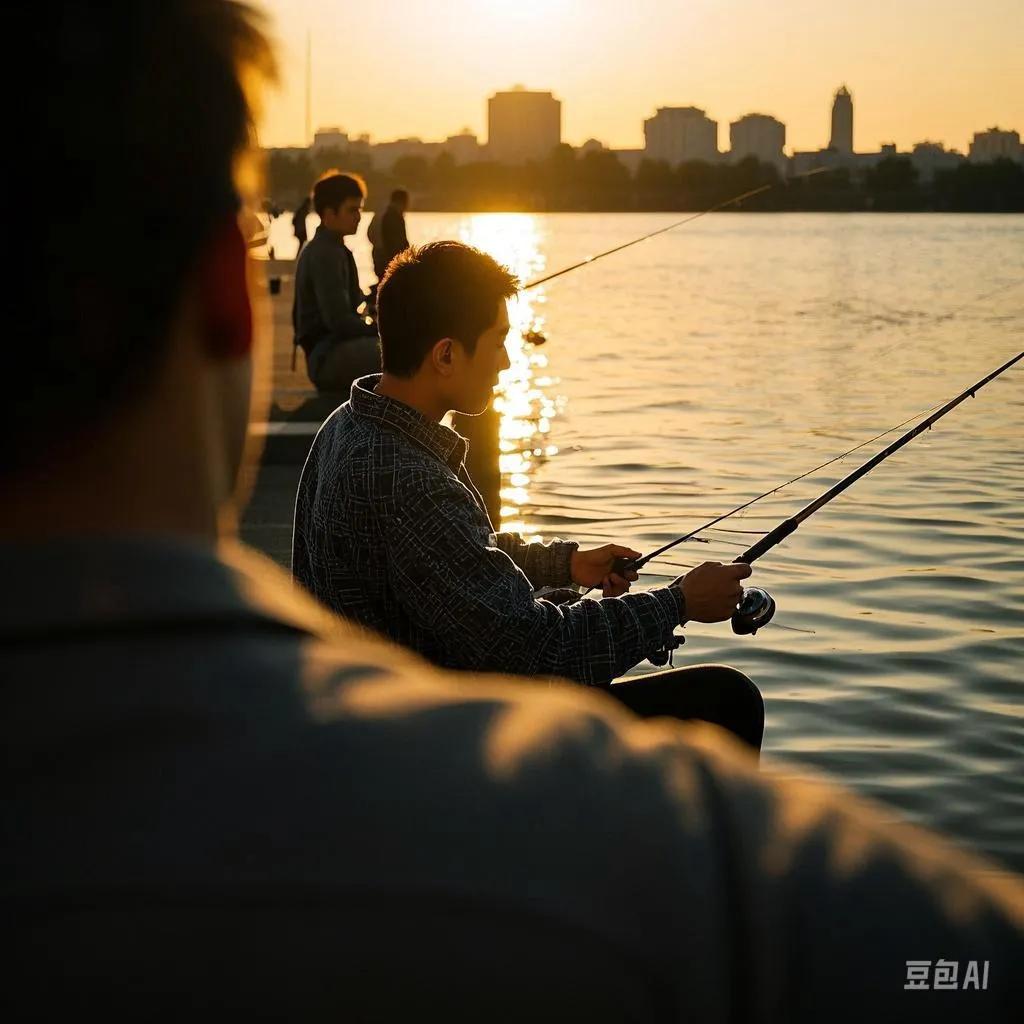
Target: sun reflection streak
<point>524,398</point>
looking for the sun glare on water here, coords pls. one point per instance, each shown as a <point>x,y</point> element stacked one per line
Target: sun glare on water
<point>524,398</point>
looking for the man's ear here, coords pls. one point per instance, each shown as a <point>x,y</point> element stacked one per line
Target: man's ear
<point>224,294</point>
<point>441,355</point>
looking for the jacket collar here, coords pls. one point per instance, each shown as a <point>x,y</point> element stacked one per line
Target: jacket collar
<point>442,442</point>
<point>327,234</point>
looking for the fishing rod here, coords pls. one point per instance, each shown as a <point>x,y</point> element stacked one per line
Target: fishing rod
<point>679,223</point>
<point>757,606</point>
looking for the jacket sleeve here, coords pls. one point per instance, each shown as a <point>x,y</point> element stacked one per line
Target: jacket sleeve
<point>480,607</point>
<point>329,277</point>
<point>545,565</point>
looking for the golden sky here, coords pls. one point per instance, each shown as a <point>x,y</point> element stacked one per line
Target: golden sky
<point>918,69</point>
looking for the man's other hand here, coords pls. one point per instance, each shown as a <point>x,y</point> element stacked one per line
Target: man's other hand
<point>593,568</point>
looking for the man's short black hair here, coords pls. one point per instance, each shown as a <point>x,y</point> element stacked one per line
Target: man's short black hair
<point>435,291</point>
<point>400,195</point>
<point>133,133</point>
<point>333,188</point>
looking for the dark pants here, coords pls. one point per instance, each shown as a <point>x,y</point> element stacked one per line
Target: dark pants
<point>710,693</point>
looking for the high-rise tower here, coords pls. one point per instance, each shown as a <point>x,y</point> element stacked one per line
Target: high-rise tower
<point>842,122</point>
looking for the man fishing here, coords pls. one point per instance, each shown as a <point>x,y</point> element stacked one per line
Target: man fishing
<point>390,530</point>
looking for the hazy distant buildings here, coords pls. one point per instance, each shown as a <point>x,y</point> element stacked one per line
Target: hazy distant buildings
<point>994,145</point>
<point>385,154</point>
<point>931,157</point>
<point>758,135</point>
<point>463,148</point>
<point>329,138</point>
<point>630,158</point>
<point>842,122</point>
<point>522,125</point>
<point>676,134</point>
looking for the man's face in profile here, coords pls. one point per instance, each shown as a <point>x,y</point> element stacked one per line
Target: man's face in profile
<point>479,371</point>
<point>349,215</point>
<point>345,219</point>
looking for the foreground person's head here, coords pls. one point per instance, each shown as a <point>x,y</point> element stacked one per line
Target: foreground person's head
<point>443,317</point>
<point>133,350</point>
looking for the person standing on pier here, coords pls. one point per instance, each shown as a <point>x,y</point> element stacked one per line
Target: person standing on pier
<point>387,232</point>
<point>299,224</point>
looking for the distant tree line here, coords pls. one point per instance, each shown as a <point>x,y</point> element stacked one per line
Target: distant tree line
<point>598,181</point>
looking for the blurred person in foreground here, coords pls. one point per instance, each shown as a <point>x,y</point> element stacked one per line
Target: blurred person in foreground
<point>220,800</point>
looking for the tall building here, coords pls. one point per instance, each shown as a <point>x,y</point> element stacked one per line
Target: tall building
<point>676,134</point>
<point>523,125</point>
<point>993,145</point>
<point>842,122</point>
<point>758,135</point>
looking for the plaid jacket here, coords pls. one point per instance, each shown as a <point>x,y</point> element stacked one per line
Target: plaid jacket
<point>390,531</point>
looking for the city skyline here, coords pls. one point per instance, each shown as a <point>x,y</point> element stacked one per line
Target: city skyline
<point>525,125</point>
<point>920,71</point>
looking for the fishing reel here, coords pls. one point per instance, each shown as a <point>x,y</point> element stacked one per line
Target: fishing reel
<point>755,610</point>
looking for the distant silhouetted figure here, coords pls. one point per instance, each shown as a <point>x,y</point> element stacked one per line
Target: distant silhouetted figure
<point>387,232</point>
<point>299,223</point>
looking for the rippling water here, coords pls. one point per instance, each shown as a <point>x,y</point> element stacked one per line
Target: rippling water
<point>702,367</point>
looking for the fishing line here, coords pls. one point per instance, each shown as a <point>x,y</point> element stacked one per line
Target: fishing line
<point>757,607</point>
<point>952,314</point>
<point>740,508</point>
<point>625,564</point>
<point>679,223</point>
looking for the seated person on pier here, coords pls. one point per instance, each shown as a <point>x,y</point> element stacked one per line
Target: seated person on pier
<point>339,343</point>
<point>390,530</point>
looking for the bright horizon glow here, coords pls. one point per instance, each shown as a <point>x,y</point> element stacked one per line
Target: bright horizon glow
<point>918,69</point>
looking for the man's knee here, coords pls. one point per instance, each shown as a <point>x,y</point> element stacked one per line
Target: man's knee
<point>740,695</point>
<point>741,688</point>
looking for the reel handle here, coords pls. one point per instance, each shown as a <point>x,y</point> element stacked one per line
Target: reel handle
<point>755,610</point>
